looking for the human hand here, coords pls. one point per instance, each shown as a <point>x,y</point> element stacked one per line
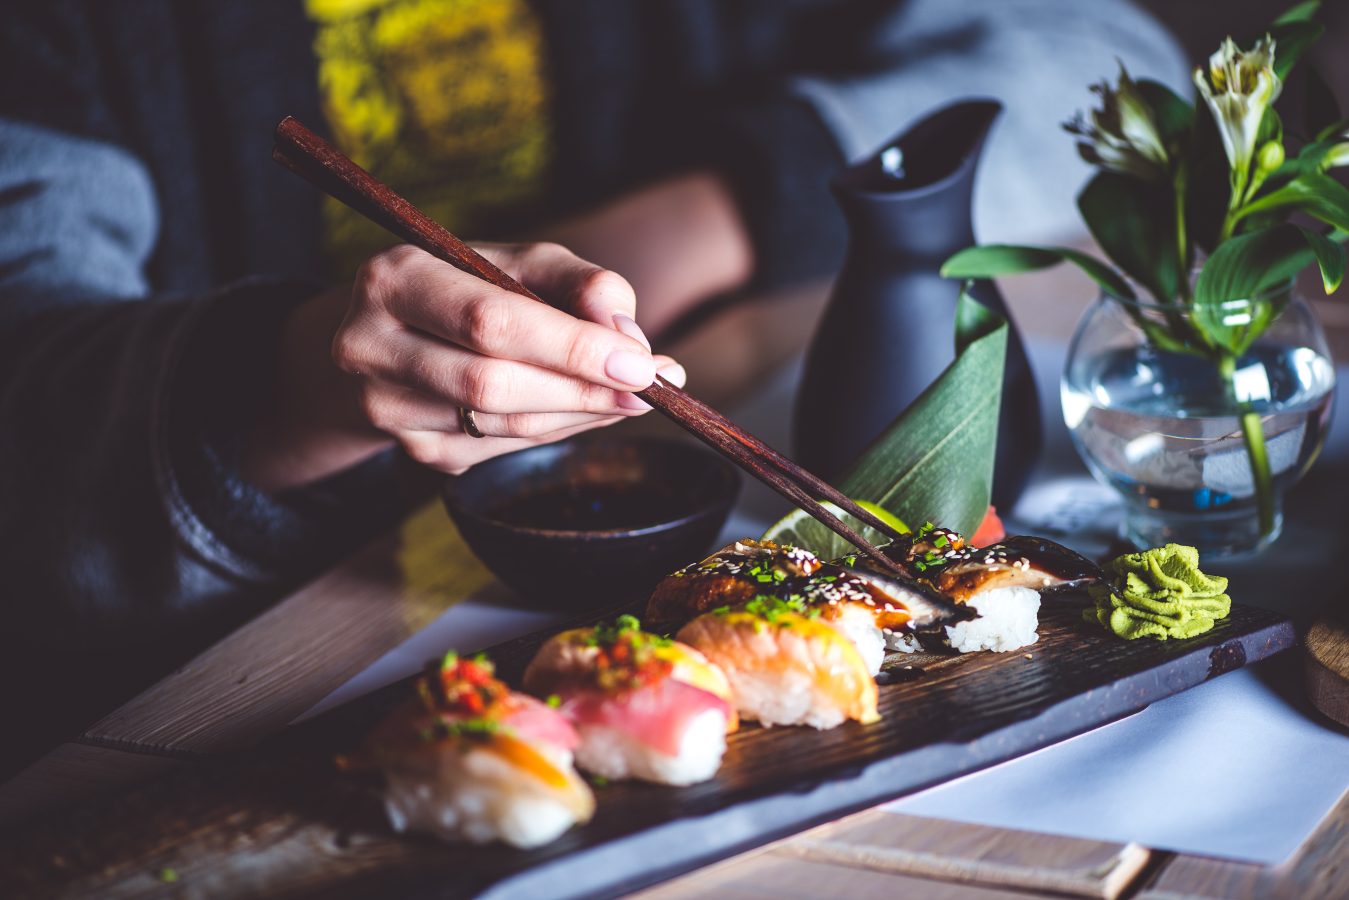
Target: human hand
<point>426,339</point>
<point>418,339</point>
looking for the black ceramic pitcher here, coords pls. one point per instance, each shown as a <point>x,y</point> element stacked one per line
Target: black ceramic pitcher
<point>889,330</point>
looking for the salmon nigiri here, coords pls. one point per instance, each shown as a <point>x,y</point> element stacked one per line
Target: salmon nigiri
<point>786,665</point>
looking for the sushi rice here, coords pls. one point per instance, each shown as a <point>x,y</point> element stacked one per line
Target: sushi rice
<point>1008,619</point>
<point>616,754</point>
<point>858,624</point>
<point>477,796</point>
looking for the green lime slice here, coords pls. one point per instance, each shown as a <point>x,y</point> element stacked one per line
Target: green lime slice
<point>798,529</point>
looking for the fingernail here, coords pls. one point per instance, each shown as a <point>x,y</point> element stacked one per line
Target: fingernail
<point>630,368</point>
<point>631,401</point>
<point>629,327</point>
<point>674,373</point>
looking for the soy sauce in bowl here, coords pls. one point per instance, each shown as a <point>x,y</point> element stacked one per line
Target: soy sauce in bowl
<point>591,507</point>
<point>589,522</point>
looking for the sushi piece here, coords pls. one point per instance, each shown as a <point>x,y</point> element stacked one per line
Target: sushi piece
<point>1008,619</point>
<point>733,575</point>
<point>1001,584</point>
<point>786,665</point>
<point>858,598</point>
<point>897,603</point>
<point>644,706</point>
<point>1021,561</point>
<point>1004,583</point>
<point>471,760</point>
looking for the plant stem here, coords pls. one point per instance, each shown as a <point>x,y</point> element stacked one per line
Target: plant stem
<point>1182,245</point>
<point>1253,433</point>
<point>1238,183</point>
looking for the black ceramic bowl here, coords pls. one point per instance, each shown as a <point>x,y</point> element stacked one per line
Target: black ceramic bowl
<point>592,521</point>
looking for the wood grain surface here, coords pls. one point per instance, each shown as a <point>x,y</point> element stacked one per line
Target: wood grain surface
<point>958,869</point>
<point>1327,667</point>
<point>971,859</point>
<point>281,820</point>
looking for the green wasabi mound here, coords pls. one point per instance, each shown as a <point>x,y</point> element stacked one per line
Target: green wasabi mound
<point>1159,593</point>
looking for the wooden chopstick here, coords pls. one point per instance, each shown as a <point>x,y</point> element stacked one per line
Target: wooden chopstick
<point>314,159</point>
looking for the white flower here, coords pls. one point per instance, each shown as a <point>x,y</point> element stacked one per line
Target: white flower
<point>1238,87</point>
<point>1122,134</point>
<point>1337,155</point>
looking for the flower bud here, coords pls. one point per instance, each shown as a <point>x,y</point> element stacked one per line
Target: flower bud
<point>1270,157</point>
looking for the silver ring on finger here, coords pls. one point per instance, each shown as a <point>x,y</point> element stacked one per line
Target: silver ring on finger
<point>469,423</point>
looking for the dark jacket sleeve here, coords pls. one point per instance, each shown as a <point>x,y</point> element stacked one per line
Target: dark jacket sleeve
<point>127,537</point>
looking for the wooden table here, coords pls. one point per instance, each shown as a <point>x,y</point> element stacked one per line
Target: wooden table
<point>258,679</point>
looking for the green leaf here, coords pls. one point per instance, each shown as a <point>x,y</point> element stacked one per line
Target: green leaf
<point>1174,117</point>
<point>1291,40</point>
<point>1318,195</point>
<point>1330,257</point>
<point>1135,224</point>
<point>1231,305</point>
<point>1333,130</point>
<point>1299,12</point>
<point>991,260</point>
<point>934,463</point>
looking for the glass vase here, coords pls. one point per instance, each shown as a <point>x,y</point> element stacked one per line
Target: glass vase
<point>1161,420</point>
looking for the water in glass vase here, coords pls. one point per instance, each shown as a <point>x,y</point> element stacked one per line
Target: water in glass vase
<point>1161,429</point>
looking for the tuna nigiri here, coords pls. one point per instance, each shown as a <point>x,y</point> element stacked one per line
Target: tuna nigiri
<point>471,760</point>
<point>644,706</point>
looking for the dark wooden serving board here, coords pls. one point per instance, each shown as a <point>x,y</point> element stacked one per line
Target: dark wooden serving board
<point>281,821</point>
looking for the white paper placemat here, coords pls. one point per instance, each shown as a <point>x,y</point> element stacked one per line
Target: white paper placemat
<point>1230,769</point>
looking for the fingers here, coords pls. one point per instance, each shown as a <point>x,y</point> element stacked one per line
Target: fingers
<point>485,384</point>
<point>426,340</point>
<point>394,409</point>
<point>453,453</point>
<point>438,299</point>
<point>572,284</point>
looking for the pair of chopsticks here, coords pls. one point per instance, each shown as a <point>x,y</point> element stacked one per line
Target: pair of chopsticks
<point>311,157</point>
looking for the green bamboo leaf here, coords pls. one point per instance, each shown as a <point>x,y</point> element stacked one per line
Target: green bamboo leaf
<point>1318,195</point>
<point>992,260</point>
<point>934,463</point>
<point>973,319</point>
<point>1135,224</point>
<point>1231,305</point>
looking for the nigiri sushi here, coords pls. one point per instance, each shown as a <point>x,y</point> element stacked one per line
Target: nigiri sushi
<point>786,665</point>
<point>859,601</point>
<point>471,760</point>
<point>1021,561</point>
<point>735,574</point>
<point>644,706</point>
<point>1001,583</point>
